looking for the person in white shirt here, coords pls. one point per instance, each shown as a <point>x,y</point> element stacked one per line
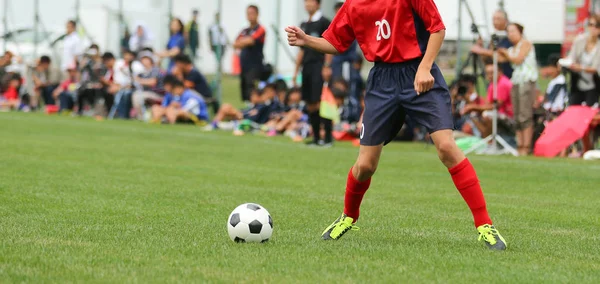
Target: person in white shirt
<point>217,37</point>
<point>556,94</point>
<point>124,72</point>
<point>72,46</point>
<point>141,39</point>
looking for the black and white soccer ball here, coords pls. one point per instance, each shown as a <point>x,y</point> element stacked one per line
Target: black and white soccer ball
<point>250,223</point>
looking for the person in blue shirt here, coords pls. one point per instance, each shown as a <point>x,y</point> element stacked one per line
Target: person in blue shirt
<point>176,44</point>
<point>180,104</point>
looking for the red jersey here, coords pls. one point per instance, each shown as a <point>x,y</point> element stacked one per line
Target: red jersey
<point>390,31</point>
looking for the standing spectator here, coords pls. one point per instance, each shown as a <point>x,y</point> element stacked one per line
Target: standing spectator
<point>344,61</point>
<point>193,79</point>
<point>72,46</point>
<point>315,71</point>
<point>524,79</point>
<point>251,41</point>
<point>146,85</point>
<point>218,38</point>
<point>66,93</point>
<point>176,44</point>
<point>41,82</point>
<point>585,55</point>
<point>500,20</point>
<point>141,39</point>
<point>192,33</point>
<point>125,41</point>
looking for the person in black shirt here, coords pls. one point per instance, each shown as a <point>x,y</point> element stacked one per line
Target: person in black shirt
<point>193,79</point>
<point>315,71</point>
<point>500,21</point>
<point>251,41</point>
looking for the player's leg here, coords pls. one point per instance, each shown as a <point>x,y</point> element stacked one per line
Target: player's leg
<point>433,110</point>
<point>382,119</point>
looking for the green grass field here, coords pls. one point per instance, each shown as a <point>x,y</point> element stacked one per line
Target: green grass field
<point>122,201</point>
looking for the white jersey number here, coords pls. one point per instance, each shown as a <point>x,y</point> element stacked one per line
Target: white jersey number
<point>383,29</point>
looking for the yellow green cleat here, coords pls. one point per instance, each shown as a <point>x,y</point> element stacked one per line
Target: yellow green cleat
<point>491,237</point>
<point>339,227</point>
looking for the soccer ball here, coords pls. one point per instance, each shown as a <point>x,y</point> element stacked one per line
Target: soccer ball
<point>250,223</point>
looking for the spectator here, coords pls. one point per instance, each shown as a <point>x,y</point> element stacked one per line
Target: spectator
<point>315,71</point>
<point>72,46</point>
<point>500,20</point>
<point>251,41</point>
<point>124,45</point>
<point>192,33</point>
<point>482,118</point>
<point>256,112</point>
<point>10,98</point>
<point>125,71</point>
<point>180,104</point>
<point>92,72</point>
<point>344,61</point>
<point>524,78</point>
<point>218,38</point>
<point>5,61</point>
<point>556,94</point>
<point>585,82</point>
<point>193,79</point>
<point>357,84</point>
<point>176,44</point>
<point>41,82</point>
<point>141,39</point>
<point>146,85</point>
<point>66,92</point>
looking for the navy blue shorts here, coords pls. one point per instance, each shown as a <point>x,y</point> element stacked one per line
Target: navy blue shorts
<point>391,96</point>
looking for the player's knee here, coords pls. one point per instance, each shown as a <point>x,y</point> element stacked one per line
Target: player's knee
<point>365,169</point>
<point>448,151</point>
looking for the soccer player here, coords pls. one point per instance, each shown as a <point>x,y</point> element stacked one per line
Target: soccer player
<point>403,38</point>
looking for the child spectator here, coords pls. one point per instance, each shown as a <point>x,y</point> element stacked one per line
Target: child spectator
<point>193,79</point>
<point>180,104</point>
<point>66,93</point>
<point>41,81</point>
<point>256,112</point>
<point>10,98</point>
<point>556,95</point>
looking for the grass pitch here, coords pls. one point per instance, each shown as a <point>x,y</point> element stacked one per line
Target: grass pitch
<point>87,201</point>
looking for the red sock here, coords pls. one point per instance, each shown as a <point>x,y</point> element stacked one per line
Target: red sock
<point>355,190</point>
<point>465,180</point>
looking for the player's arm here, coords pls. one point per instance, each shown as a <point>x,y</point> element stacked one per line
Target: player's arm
<point>428,12</point>
<point>297,37</point>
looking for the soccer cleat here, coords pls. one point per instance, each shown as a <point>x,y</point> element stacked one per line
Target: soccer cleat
<point>491,237</point>
<point>339,227</point>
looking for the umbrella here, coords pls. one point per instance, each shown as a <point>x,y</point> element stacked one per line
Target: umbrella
<point>569,127</point>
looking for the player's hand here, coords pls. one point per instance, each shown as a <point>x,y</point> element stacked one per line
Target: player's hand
<point>423,80</point>
<point>296,36</point>
<point>326,73</point>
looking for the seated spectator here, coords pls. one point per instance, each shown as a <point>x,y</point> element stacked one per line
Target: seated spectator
<point>125,71</point>
<point>10,98</point>
<point>556,95</point>
<point>147,87</point>
<point>480,112</point>
<point>349,108</point>
<point>357,84</point>
<point>180,104</point>
<point>41,82</point>
<point>66,92</point>
<point>193,79</point>
<point>295,121</point>
<point>256,112</point>
<point>92,73</point>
